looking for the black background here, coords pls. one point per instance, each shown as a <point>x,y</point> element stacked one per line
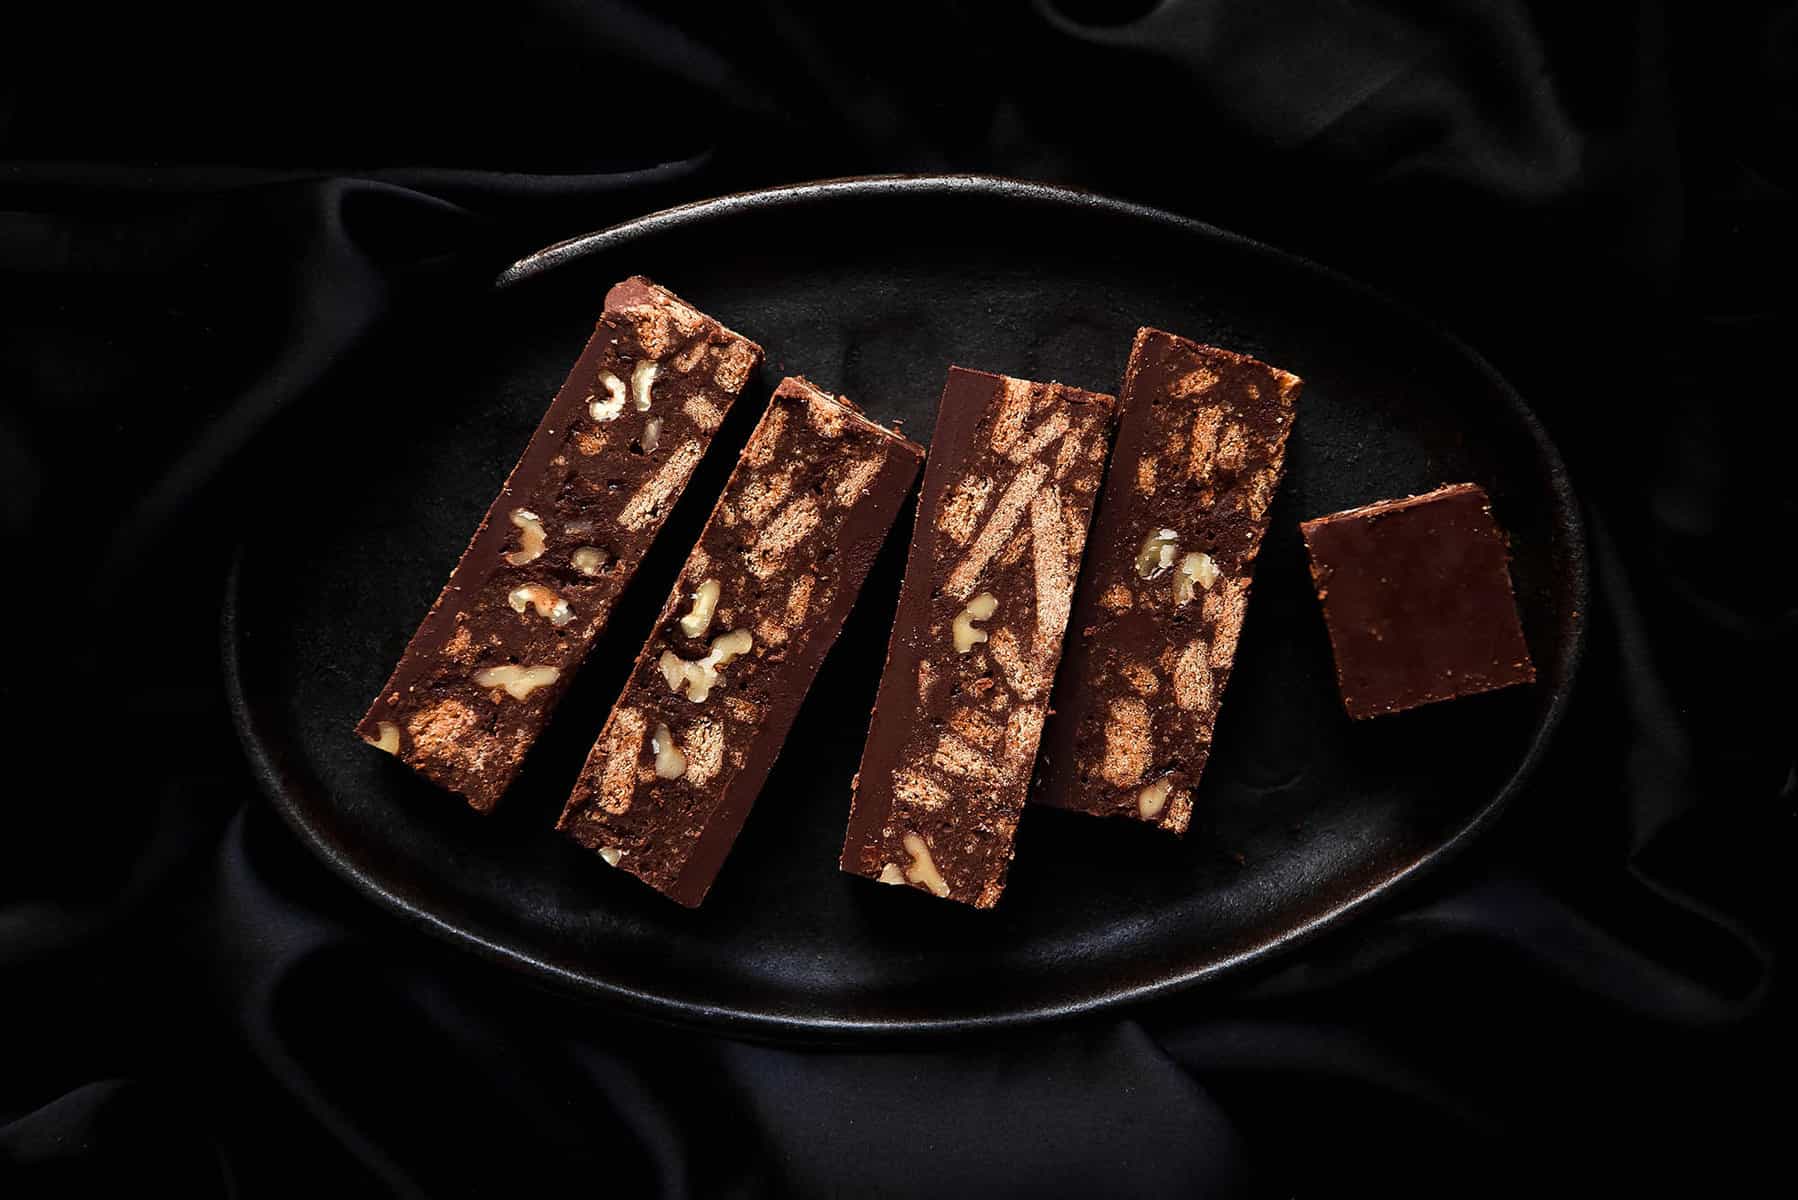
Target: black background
<point>206,215</point>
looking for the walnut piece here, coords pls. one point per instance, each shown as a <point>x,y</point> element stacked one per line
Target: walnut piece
<point>518,682</point>
<point>643,377</point>
<point>1197,570</point>
<point>1152,799</point>
<point>923,870</point>
<point>890,873</point>
<point>705,602</point>
<point>1157,554</point>
<point>589,560</point>
<point>736,642</point>
<point>549,606</point>
<point>531,538</point>
<point>702,676</point>
<point>670,762</point>
<point>652,435</point>
<point>980,608</point>
<point>612,407</point>
<point>389,739</point>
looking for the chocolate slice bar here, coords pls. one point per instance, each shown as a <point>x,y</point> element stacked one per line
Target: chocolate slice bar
<point>1201,445</point>
<point>1417,597</point>
<point>759,603</point>
<point>534,588</point>
<point>1002,519</point>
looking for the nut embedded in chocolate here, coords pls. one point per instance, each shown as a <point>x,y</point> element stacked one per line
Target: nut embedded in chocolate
<point>536,585</point>
<point>1417,597</point>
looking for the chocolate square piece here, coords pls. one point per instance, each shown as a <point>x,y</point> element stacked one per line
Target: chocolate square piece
<point>1008,491</point>
<point>758,605</point>
<point>1201,444</point>
<point>1417,597</point>
<point>536,585</point>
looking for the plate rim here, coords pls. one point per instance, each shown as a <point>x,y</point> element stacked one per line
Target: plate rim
<point>770,1024</point>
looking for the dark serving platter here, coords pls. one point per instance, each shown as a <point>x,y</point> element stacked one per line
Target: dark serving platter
<point>873,287</point>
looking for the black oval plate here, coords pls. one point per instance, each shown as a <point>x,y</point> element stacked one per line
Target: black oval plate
<point>873,287</point>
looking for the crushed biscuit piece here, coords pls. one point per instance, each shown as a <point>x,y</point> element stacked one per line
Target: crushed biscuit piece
<point>656,492</point>
<point>1129,742</point>
<point>1192,676</point>
<point>620,748</point>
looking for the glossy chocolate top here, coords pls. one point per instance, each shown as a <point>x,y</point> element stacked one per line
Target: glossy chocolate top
<point>1417,596</point>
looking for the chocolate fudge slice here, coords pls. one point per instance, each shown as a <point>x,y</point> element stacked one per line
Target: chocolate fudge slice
<point>1417,597</point>
<point>1008,491</point>
<point>495,653</point>
<point>1200,449</point>
<point>759,603</point>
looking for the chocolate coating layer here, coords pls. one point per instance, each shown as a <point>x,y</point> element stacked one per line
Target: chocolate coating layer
<point>1008,492</point>
<point>1417,596</point>
<point>759,603</point>
<point>1201,446</point>
<point>497,650</point>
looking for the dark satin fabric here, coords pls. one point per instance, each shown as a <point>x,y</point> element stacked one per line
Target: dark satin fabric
<point>207,216</point>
